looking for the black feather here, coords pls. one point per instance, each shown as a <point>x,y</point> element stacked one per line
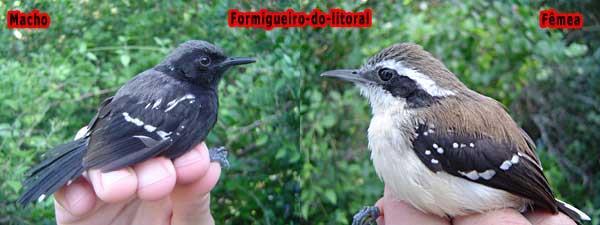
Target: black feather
<point>574,213</point>
<point>163,111</point>
<point>61,164</point>
<point>466,153</point>
<point>462,154</point>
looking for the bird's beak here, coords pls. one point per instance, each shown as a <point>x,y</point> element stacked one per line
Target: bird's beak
<point>234,61</point>
<point>347,75</point>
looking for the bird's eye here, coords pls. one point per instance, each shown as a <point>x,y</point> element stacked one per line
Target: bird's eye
<point>386,74</point>
<point>205,61</point>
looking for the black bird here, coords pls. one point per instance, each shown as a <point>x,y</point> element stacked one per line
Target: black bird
<point>163,111</point>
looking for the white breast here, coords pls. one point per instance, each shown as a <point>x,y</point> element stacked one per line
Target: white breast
<point>411,181</point>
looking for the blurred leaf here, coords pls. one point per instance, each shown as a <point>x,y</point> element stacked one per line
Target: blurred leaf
<point>91,56</point>
<point>125,60</point>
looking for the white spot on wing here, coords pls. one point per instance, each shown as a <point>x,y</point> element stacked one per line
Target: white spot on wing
<point>435,145</point>
<point>150,128</point>
<point>434,161</point>
<point>508,163</point>
<point>81,133</point>
<point>440,150</point>
<point>505,165</point>
<point>130,119</point>
<point>488,174</point>
<point>427,152</point>
<point>473,175</point>
<point>157,103</point>
<point>162,134</point>
<point>41,198</point>
<point>515,159</point>
<point>174,103</point>
<point>455,145</point>
<point>471,145</point>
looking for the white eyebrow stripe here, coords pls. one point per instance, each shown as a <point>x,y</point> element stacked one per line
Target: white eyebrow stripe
<point>424,81</point>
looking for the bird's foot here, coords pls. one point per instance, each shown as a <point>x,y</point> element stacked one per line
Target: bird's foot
<point>219,154</point>
<point>366,216</point>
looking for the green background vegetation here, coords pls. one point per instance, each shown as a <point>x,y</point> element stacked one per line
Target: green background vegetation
<point>299,142</point>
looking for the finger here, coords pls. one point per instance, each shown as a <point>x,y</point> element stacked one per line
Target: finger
<point>191,202</point>
<point>114,186</point>
<point>154,212</point>
<point>399,212</point>
<point>379,204</point>
<point>496,217</point>
<point>192,165</point>
<point>74,200</point>
<point>156,178</point>
<point>547,218</point>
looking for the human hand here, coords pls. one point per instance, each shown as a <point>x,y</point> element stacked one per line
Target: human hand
<point>398,212</point>
<point>157,191</point>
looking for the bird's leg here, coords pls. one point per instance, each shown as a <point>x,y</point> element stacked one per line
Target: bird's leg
<point>219,154</point>
<point>366,216</point>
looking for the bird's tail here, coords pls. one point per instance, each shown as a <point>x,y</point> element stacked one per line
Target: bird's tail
<point>60,165</point>
<point>572,212</point>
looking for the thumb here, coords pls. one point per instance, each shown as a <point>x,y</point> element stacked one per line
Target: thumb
<point>73,201</point>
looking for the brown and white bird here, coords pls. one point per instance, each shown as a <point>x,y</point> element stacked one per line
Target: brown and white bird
<point>442,147</point>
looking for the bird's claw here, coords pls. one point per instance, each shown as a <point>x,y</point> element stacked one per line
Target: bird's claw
<point>219,154</point>
<point>366,216</point>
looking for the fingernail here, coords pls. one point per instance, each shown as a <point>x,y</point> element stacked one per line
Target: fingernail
<point>188,158</point>
<point>159,172</point>
<point>73,194</point>
<point>112,177</point>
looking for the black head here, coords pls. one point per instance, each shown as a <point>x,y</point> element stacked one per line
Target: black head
<point>200,62</point>
<point>401,73</point>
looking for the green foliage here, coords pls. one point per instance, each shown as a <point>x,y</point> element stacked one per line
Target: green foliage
<point>495,48</point>
<point>298,142</point>
<point>56,78</point>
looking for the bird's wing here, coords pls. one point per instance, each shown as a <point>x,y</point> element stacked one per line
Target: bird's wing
<point>103,111</point>
<point>128,130</point>
<point>55,154</point>
<point>483,160</point>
